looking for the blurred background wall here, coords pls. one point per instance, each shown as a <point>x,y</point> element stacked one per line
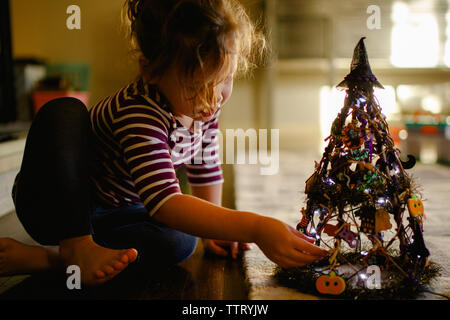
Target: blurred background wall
<point>39,30</point>
<point>312,43</point>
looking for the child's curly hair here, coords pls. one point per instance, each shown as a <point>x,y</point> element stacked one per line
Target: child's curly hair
<point>196,34</point>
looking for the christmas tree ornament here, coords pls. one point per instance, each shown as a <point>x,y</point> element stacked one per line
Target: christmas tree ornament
<point>415,207</point>
<point>382,220</point>
<point>356,202</point>
<point>330,284</point>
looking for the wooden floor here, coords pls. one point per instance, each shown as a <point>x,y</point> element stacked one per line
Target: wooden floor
<point>201,277</point>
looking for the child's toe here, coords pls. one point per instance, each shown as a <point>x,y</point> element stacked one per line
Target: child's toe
<point>99,274</point>
<point>108,270</point>
<point>118,265</point>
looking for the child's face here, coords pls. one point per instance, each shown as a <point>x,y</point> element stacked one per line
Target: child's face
<point>223,92</point>
<point>183,106</point>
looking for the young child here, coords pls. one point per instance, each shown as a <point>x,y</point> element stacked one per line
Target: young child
<point>98,188</point>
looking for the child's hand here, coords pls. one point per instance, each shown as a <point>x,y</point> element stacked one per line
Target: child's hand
<point>219,247</point>
<point>284,245</point>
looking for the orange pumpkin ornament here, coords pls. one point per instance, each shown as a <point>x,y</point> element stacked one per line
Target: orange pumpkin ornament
<point>330,284</point>
<point>415,207</point>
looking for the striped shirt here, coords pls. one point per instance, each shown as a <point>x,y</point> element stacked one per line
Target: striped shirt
<point>139,145</point>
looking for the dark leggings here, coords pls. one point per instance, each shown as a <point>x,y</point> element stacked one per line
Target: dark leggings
<point>53,193</point>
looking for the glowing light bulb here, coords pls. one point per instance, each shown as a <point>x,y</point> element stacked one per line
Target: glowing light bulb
<point>403,134</point>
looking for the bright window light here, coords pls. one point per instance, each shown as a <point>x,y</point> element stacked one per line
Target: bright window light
<point>447,43</point>
<point>404,92</point>
<point>428,152</point>
<point>415,37</point>
<point>432,104</point>
<point>331,102</point>
<point>387,101</point>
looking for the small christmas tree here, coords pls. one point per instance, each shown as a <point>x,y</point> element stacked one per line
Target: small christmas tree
<point>357,199</point>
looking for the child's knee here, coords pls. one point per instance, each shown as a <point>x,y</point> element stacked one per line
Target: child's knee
<point>62,106</point>
<point>182,247</point>
<point>62,118</point>
<point>62,112</point>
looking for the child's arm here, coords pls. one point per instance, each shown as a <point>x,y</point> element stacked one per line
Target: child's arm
<point>280,243</point>
<point>213,194</point>
<point>144,140</point>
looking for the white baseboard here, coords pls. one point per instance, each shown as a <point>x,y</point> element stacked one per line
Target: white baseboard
<point>11,154</point>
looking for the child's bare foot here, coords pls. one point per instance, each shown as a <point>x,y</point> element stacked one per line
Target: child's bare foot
<point>97,264</point>
<point>20,258</point>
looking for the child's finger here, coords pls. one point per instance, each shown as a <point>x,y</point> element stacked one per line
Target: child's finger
<point>234,248</point>
<point>303,258</point>
<point>303,243</point>
<point>214,248</point>
<point>309,248</point>
<point>305,237</point>
<point>244,246</point>
<point>295,261</point>
<point>301,235</point>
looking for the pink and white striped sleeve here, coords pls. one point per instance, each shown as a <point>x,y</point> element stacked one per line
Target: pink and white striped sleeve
<point>207,170</point>
<point>144,140</point>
